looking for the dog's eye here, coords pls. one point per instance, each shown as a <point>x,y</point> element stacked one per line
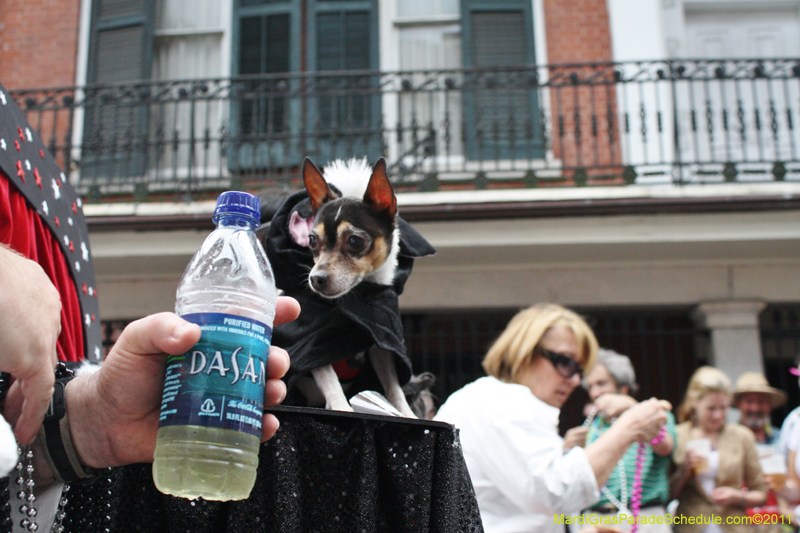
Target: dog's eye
<point>355,242</point>
<point>312,240</point>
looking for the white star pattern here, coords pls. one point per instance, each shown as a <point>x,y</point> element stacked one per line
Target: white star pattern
<point>63,177</point>
<point>28,164</point>
<point>45,208</point>
<point>3,144</point>
<point>70,221</point>
<point>66,240</point>
<point>28,134</point>
<point>91,291</point>
<point>88,320</point>
<point>78,266</point>
<point>85,252</point>
<point>56,190</point>
<point>97,352</point>
<point>3,97</point>
<point>80,202</point>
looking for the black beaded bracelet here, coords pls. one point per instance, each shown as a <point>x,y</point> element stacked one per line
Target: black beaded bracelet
<point>59,450</point>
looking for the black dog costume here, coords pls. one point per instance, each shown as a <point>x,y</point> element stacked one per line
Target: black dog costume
<point>336,331</point>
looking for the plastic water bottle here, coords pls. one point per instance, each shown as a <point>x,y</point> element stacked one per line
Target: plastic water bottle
<point>210,426</point>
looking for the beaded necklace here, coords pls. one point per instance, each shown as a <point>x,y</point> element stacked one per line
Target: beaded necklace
<point>25,484</point>
<point>636,492</point>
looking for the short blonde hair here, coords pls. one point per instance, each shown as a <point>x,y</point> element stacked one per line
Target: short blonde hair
<point>515,348</point>
<point>705,380</point>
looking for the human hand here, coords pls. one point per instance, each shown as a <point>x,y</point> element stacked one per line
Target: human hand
<point>726,496</point>
<point>693,462</point>
<point>29,328</point>
<point>575,437</point>
<point>113,413</point>
<point>645,419</point>
<point>613,405</point>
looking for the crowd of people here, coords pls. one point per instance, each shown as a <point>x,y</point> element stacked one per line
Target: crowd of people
<point>629,467</point>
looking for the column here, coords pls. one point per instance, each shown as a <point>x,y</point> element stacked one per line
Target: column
<point>735,342</point>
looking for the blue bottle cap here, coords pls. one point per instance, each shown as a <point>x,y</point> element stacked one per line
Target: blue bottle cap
<point>238,203</point>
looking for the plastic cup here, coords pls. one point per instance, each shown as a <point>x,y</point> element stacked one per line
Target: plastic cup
<point>703,448</point>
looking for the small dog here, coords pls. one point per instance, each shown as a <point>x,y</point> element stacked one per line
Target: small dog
<point>354,237</point>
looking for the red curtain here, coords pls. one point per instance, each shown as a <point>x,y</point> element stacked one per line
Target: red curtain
<point>22,229</point>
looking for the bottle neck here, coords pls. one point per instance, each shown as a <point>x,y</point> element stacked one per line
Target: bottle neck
<point>236,221</point>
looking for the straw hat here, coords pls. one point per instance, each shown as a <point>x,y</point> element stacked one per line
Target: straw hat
<point>755,382</point>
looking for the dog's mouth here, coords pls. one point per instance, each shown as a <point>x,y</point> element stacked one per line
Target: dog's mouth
<point>330,291</point>
<point>330,296</point>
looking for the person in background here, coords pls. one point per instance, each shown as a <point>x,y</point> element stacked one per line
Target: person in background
<point>717,469</point>
<point>789,444</point>
<point>611,385</point>
<point>508,423</point>
<point>755,400</point>
<point>792,419</point>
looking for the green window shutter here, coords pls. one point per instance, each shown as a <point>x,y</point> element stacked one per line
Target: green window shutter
<point>343,40</point>
<point>497,33</point>
<point>121,42</point>
<point>264,48</point>
<point>116,121</point>
<point>501,113</point>
<point>498,39</point>
<point>264,117</point>
<point>343,36</point>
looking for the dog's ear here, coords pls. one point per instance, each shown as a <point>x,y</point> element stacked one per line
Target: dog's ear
<point>380,195</point>
<point>318,190</point>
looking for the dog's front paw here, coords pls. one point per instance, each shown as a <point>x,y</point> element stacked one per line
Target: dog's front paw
<point>339,405</point>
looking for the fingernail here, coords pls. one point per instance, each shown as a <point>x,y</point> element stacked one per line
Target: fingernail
<point>181,329</point>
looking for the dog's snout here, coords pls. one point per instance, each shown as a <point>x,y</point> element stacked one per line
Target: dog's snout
<point>318,280</point>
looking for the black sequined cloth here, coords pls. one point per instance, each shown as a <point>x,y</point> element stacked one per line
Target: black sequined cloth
<point>324,471</point>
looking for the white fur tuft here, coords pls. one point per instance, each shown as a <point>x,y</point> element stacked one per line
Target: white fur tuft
<point>351,177</point>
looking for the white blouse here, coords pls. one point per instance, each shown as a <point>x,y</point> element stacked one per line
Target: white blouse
<point>522,478</point>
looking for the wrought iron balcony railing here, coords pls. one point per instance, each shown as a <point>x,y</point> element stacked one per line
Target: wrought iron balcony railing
<point>670,122</point>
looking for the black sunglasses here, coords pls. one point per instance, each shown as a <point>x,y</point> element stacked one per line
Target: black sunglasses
<point>564,365</point>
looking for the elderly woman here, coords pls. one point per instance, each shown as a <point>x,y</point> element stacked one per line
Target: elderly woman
<point>508,424</point>
<point>717,472</point>
<point>611,385</point>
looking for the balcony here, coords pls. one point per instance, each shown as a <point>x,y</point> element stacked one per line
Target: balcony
<point>657,123</point>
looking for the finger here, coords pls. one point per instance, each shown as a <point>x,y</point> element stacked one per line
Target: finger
<point>286,309</point>
<point>37,389</point>
<point>277,362</point>
<point>13,404</point>
<point>156,334</point>
<point>274,392</point>
<point>269,426</point>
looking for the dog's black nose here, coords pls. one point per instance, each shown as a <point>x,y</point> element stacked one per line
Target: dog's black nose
<point>318,280</point>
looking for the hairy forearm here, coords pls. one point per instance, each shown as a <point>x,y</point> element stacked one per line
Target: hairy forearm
<point>90,431</point>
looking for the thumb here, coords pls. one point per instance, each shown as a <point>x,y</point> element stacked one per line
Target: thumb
<point>156,334</point>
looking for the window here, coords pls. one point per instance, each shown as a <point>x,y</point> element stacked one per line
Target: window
<point>501,109</point>
<point>345,109</point>
<point>114,125</point>
<point>280,119</point>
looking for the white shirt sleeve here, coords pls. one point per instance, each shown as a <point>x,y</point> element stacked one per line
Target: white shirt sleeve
<point>526,463</point>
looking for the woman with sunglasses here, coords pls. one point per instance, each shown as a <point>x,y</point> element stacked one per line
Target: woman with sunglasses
<point>508,423</point>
